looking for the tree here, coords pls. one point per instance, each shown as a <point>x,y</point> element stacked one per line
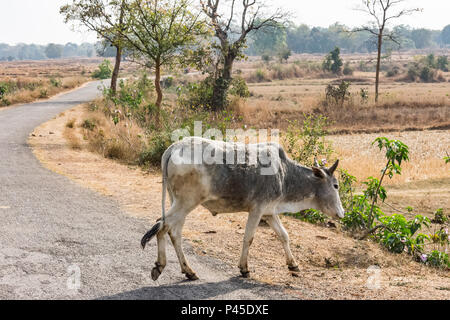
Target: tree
<point>106,18</point>
<point>445,35</point>
<point>251,17</point>
<point>267,41</point>
<point>53,51</point>
<point>382,13</point>
<point>333,62</point>
<point>422,38</point>
<point>161,34</point>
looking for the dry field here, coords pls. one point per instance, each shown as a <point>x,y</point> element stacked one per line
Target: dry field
<point>402,106</point>
<point>33,79</point>
<point>333,265</point>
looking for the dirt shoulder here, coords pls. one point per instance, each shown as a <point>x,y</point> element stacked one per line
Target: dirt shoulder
<point>333,266</point>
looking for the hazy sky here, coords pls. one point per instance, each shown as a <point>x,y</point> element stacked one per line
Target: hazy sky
<point>39,21</point>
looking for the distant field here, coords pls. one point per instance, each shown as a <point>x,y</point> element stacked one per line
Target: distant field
<point>27,81</point>
<point>403,105</point>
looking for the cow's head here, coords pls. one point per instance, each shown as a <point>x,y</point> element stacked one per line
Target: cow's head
<point>327,191</point>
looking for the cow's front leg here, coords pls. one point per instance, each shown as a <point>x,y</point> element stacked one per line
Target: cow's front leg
<point>253,220</point>
<point>276,225</point>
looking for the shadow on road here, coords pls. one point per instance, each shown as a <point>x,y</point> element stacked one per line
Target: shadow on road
<point>187,290</point>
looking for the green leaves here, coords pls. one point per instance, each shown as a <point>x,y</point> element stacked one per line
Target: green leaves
<point>396,153</point>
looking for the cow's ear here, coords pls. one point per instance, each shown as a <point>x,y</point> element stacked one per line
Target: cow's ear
<point>318,172</point>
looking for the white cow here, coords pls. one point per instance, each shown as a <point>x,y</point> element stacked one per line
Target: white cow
<point>272,185</point>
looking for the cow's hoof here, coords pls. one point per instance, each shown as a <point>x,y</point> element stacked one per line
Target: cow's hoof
<point>191,276</point>
<point>245,274</point>
<point>294,268</point>
<point>155,273</point>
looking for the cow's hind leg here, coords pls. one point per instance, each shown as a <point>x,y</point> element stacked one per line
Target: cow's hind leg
<point>253,220</point>
<point>161,262</point>
<point>175,232</point>
<point>275,223</point>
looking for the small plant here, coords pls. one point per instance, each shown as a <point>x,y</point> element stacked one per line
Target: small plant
<point>89,124</point>
<point>104,71</point>
<point>70,124</point>
<point>57,83</point>
<point>364,94</point>
<point>43,93</point>
<point>167,82</point>
<point>436,259</point>
<point>346,189</point>
<point>266,58</point>
<point>348,70</point>
<point>312,216</point>
<point>338,94</point>
<point>260,75</point>
<point>440,217</point>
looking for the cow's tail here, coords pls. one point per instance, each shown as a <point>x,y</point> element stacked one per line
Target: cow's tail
<point>160,223</point>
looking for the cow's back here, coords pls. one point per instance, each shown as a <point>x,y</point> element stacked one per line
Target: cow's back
<point>230,186</point>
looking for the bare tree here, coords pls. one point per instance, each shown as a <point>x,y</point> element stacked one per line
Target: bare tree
<point>382,12</point>
<point>232,22</point>
<point>106,18</point>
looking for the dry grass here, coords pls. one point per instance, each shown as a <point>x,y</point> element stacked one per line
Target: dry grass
<point>401,106</point>
<point>72,139</point>
<point>123,141</point>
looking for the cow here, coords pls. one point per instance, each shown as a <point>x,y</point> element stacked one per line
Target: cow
<point>271,185</point>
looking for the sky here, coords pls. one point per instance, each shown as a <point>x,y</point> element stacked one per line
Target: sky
<point>39,21</point>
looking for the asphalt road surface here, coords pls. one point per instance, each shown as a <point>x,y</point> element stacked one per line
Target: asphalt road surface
<point>59,240</point>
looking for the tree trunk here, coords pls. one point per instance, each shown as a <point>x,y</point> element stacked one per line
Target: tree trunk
<point>377,78</point>
<point>158,92</point>
<point>228,67</point>
<point>222,83</point>
<point>115,74</point>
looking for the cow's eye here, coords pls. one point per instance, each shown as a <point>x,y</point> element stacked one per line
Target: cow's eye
<point>336,186</point>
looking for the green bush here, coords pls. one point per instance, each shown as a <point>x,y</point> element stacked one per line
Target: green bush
<point>440,217</point>
<point>57,83</point>
<point>104,71</point>
<point>260,75</point>
<point>306,142</point>
<point>43,93</point>
<point>198,95</point>
<point>266,58</point>
<point>311,216</point>
<point>167,82</point>
<point>158,144</point>
<point>239,88</point>
<point>427,74</point>
<point>442,63</point>
<point>333,62</point>
<point>436,259</point>
<point>348,70</point>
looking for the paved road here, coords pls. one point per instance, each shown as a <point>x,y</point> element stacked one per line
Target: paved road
<point>54,232</point>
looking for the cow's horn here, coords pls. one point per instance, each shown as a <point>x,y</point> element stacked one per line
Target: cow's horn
<point>333,167</point>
